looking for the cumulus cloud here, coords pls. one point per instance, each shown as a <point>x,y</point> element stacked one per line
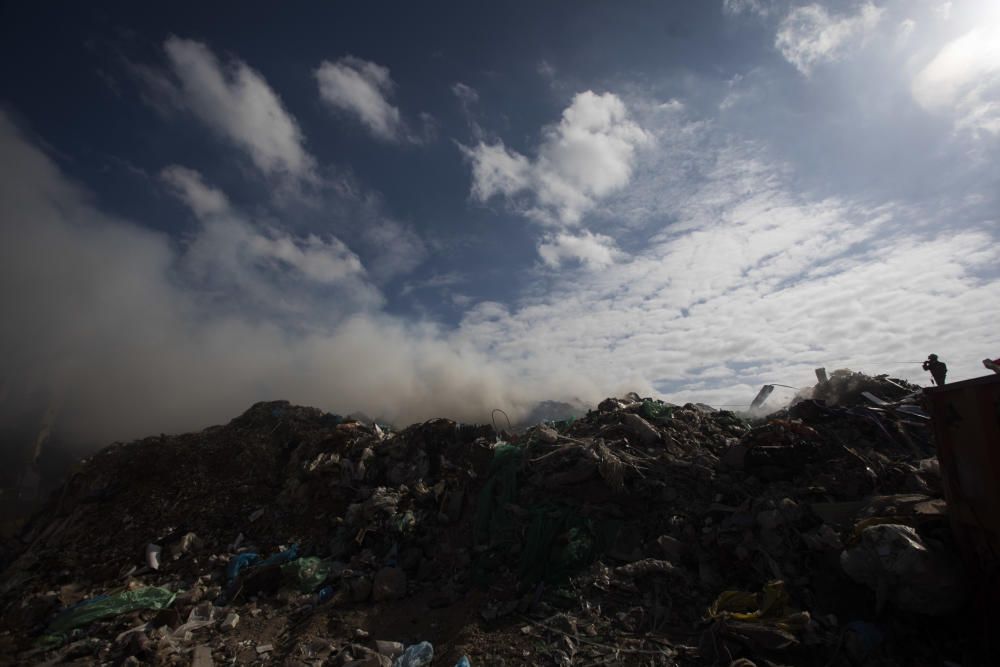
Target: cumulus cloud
<point>810,35</point>
<point>362,89</point>
<point>235,102</point>
<point>963,79</point>
<point>498,171</point>
<point>596,251</point>
<point>587,155</point>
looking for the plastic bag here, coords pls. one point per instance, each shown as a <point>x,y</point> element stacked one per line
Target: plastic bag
<point>417,655</point>
<point>770,606</point>
<point>307,574</point>
<point>105,606</point>
<point>893,560</point>
<point>656,410</point>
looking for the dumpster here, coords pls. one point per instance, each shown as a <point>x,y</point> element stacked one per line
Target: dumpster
<point>966,420</point>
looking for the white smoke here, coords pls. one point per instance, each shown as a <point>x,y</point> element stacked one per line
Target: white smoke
<point>114,321</point>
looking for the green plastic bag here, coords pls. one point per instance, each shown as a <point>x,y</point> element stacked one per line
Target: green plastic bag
<point>105,606</point>
<point>307,574</point>
<point>656,410</point>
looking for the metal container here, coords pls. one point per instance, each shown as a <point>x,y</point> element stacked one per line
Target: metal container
<point>966,420</point>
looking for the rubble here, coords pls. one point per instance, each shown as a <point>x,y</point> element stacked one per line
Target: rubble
<point>640,533</point>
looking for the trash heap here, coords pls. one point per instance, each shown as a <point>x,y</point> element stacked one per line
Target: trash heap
<point>642,533</point>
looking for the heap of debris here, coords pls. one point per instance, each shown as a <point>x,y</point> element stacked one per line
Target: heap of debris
<point>642,533</point>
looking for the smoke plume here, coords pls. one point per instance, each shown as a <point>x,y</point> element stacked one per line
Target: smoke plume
<point>126,331</point>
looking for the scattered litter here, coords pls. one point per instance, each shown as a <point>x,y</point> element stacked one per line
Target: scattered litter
<point>153,552</point>
<point>230,622</point>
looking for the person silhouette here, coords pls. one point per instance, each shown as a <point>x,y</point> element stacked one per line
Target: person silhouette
<point>937,368</point>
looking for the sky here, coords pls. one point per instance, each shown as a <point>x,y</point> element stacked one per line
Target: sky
<point>437,209</point>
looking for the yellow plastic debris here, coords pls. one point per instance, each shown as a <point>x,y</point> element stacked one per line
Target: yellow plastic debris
<point>770,606</point>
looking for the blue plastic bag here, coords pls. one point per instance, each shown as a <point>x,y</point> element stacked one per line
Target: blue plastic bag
<point>239,563</point>
<point>418,655</point>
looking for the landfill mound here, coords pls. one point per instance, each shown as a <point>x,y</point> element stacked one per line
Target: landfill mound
<point>846,387</point>
<point>642,533</point>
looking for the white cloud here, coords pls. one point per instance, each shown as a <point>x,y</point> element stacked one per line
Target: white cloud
<point>440,281</point>
<point>755,284</point>
<point>251,263</point>
<point>322,261</point>
<point>362,89</point>
<point>964,79</point>
<point>586,156</point>
<point>202,199</point>
<point>498,171</point>
<point>466,95</point>
<point>810,35</point>
<point>235,102</point>
<point>596,251</point>
<point>905,31</point>
<point>397,248</point>
<point>736,7</point>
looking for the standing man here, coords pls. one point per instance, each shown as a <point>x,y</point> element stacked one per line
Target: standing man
<point>937,369</point>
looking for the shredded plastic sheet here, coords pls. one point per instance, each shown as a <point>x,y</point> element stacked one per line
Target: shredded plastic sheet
<point>104,606</point>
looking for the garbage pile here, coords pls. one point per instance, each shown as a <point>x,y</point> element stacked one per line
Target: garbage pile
<point>643,533</point>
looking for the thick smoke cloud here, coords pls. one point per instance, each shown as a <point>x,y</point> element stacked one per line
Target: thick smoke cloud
<point>104,317</point>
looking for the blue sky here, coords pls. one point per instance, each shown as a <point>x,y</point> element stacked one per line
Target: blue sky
<point>428,210</point>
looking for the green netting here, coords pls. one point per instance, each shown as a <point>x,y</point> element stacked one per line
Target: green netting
<point>105,606</point>
<point>557,543</point>
<point>562,425</point>
<point>556,540</point>
<point>493,522</point>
